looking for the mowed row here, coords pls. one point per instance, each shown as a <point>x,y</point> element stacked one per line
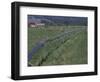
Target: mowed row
<point>71,49</point>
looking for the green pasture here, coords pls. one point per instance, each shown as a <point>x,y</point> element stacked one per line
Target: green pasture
<point>68,50</point>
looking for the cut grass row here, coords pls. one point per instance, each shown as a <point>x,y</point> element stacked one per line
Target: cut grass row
<point>66,53</point>
<point>73,51</point>
<point>42,56</point>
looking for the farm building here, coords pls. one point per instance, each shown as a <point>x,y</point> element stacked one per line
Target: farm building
<point>32,24</point>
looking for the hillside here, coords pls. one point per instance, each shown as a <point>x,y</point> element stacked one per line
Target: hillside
<point>58,20</point>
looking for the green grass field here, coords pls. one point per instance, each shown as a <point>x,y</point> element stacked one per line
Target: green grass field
<point>69,49</point>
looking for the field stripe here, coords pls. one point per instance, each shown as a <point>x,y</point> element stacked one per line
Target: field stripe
<point>41,43</point>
